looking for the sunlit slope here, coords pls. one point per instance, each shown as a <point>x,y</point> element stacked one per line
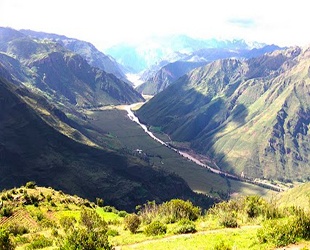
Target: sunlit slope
<point>248,116</point>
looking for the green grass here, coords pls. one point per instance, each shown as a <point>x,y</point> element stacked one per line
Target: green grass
<point>235,238</point>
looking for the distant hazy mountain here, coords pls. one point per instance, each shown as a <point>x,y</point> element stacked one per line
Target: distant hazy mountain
<point>166,75</point>
<point>61,74</point>
<point>139,57</point>
<point>249,116</point>
<point>158,81</point>
<point>32,149</point>
<point>87,50</point>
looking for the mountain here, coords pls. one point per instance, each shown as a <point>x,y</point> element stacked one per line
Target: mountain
<point>166,75</point>
<point>141,56</point>
<point>248,116</point>
<point>158,81</point>
<point>63,76</point>
<point>31,149</point>
<point>88,51</point>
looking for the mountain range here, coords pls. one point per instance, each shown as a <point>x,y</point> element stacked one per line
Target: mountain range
<point>158,81</point>
<point>59,73</point>
<point>137,57</point>
<point>45,136</point>
<point>249,116</point>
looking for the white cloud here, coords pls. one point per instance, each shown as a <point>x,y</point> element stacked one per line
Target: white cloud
<point>108,22</point>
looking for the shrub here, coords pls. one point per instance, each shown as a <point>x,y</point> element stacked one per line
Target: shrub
<point>5,241</point>
<point>228,220</point>
<point>110,209</point>
<point>91,220</point>
<point>277,232</point>
<point>112,232</point>
<point>99,202</point>
<point>132,222</point>
<point>222,245</point>
<point>16,229</point>
<point>286,231</point>
<point>92,234</point>
<point>6,211</point>
<point>122,214</point>
<point>39,241</point>
<point>185,226</point>
<point>67,222</point>
<point>177,209</point>
<point>31,184</point>
<point>155,228</point>
<point>81,238</point>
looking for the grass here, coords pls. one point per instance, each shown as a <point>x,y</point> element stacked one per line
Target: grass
<point>234,238</point>
<point>47,226</point>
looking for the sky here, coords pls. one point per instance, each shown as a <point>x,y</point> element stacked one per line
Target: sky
<point>108,22</point>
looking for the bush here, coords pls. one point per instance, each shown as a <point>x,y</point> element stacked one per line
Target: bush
<point>228,220</point>
<point>6,211</point>
<point>5,241</point>
<point>185,226</point>
<point>155,228</point>
<point>16,229</point>
<point>112,232</point>
<point>92,234</point>
<point>67,222</point>
<point>92,220</point>
<point>39,241</point>
<point>110,209</point>
<point>122,214</point>
<point>222,245</point>
<point>177,209</point>
<point>277,232</point>
<point>99,202</point>
<point>81,238</point>
<point>286,231</point>
<point>132,222</point>
<point>31,184</point>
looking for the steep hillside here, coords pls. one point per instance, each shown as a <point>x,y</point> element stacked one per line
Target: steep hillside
<point>60,74</point>
<point>248,116</point>
<point>30,149</point>
<point>88,51</point>
<point>298,196</point>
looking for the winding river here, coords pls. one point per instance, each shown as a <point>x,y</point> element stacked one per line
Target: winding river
<point>134,118</point>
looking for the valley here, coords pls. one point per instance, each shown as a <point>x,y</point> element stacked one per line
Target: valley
<point>154,125</point>
<point>135,138</point>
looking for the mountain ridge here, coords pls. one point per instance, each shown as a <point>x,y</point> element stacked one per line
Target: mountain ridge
<point>228,101</point>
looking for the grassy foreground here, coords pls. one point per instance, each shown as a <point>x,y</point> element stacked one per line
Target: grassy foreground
<point>34,217</point>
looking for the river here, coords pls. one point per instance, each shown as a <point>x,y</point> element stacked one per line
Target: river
<point>192,158</point>
<point>134,118</point>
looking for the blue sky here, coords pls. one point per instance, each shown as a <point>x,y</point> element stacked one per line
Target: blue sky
<point>105,23</point>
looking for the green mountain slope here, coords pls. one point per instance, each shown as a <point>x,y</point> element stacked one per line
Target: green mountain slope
<point>87,50</point>
<point>30,149</point>
<point>61,74</point>
<point>248,116</point>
